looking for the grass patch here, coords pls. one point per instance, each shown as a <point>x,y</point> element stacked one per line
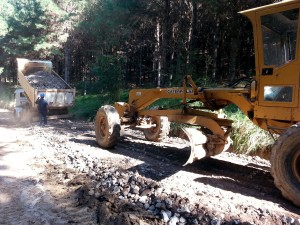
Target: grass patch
<point>86,106</point>
<point>246,136</point>
<point>166,104</point>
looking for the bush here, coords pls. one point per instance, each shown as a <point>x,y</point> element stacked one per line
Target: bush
<point>86,106</point>
<point>6,96</point>
<point>246,136</point>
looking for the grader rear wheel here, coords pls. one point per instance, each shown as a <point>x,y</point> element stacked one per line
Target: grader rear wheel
<point>285,164</point>
<point>107,126</point>
<point>160,131</point>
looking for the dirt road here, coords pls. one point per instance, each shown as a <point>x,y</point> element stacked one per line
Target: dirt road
<point>58,175</point>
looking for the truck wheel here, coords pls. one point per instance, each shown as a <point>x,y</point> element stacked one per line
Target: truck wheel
<point>285,164</point>
<point>160,131</point>
<point>107,126</point>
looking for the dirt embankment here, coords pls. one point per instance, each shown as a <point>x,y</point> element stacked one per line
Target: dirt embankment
<point>58,175</point>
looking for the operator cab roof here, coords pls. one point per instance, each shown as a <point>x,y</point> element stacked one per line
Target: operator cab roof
<point>273,6</point>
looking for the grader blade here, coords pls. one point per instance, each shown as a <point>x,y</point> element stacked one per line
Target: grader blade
<point>197,140</point>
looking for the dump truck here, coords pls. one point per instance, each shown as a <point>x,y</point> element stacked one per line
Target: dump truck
<point>270,100</point>
<point>36,77</point>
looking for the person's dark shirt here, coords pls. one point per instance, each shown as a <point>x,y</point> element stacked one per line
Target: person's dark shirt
<point>42,105</point>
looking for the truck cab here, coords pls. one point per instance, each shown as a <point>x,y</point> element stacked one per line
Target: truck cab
<point>21,103</point>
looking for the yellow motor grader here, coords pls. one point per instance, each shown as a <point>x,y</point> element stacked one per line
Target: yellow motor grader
<point>270,100</point>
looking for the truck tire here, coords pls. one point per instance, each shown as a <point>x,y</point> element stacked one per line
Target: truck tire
<point>285,164</point>
<point>161,130</point>
<point>107,126</point>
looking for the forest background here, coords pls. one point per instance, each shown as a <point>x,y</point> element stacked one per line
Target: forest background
<point>103,47</point>
<point>100,45</point>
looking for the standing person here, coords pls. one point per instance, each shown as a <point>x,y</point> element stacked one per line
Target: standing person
<point>43,109</point>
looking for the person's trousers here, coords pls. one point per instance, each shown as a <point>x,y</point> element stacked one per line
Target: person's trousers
<point>43,118</point>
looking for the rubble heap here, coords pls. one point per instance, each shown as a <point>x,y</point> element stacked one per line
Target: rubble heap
<point>115,192</point>
<point>44,80</point>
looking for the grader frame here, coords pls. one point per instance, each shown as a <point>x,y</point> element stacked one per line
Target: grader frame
<point>270,100</point>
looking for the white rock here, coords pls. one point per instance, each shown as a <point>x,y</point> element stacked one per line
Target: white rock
<point>98,185</point>
<point>143,199</point>
<point>182,220</point>
<point>290,220</point>
<point>165,216</point>
<point>91,192</point>
<point>158,191</point>
<point>174,220</point>
<point>183,209</point>
<point>169,213</point>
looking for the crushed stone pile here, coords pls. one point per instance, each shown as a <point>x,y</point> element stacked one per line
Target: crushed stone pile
<point>123,197</point>
<point>44,80</point>
<point>117,192</point>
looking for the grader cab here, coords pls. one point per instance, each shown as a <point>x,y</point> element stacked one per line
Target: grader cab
<point>270,100</point>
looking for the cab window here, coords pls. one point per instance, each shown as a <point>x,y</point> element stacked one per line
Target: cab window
<point>279,32</point>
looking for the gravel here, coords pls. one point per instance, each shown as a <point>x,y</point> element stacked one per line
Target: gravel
<point>44,80</point>
<point>140,182</point>
<point>107,186</point>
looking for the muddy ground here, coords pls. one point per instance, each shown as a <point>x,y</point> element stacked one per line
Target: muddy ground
<point>58,175</point>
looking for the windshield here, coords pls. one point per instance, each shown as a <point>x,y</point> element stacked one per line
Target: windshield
<point>279,32</point>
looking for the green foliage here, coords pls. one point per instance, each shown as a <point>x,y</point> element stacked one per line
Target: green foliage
<point>166,104</point>
<point>109,71</point>
<point>6,96</point>
<point>87,106</point>
<point>154,37</point>
<point>25,28</point>
<point>246,136</point>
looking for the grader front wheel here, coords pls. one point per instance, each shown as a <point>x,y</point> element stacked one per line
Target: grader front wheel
<point>107,126</point>
<point>285,164</point>
<point>161,129</point>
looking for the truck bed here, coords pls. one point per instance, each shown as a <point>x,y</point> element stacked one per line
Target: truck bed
<point>37,76</point>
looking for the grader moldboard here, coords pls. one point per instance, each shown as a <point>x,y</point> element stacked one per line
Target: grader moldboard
<point>270,100</point>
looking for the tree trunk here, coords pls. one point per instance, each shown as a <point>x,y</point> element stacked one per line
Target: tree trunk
<point>215,48</point>
<point>234,48</point>
<point>189,41</point>
<point>158,54</point>
<point>166,40</point>
<point>67,61</point>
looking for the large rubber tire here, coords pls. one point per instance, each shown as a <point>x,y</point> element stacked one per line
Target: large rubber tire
<point>285,164</point>
<point>107,126</point>
<point>160,131</point>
